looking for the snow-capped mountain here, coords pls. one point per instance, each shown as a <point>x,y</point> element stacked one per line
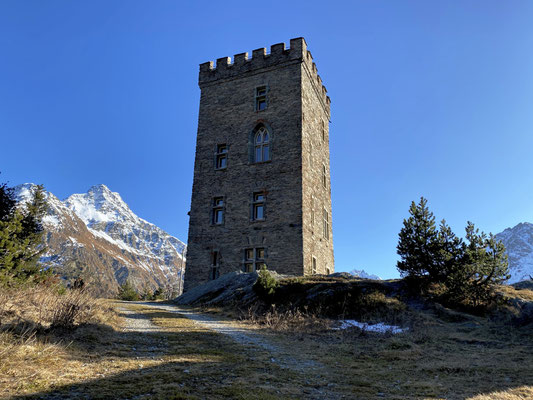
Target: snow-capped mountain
<point>361,273</point>
<point>95,235</point>
<point>519,244</point>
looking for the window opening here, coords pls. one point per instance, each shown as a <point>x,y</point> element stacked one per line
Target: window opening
<point>326,225</point>
<point>254,259</point>
<point>218,211</point>
<point>313,215</point>
<point>260,98</point>
<point>313,271</point>
<point>214,265</point>
<point>262,145</point>
<point>324,176</point>
<point>258,206</point>
<point>310,155</point>
<point>221,156</point>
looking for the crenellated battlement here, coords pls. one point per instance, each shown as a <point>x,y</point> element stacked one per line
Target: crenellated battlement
<point>243,64</point>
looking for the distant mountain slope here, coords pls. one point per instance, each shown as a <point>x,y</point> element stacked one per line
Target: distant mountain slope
<point>361,273</point>
<point>95,235</point>
<point>519,244</point>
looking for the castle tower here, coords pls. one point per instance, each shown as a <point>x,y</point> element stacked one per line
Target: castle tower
<point>261,193</point>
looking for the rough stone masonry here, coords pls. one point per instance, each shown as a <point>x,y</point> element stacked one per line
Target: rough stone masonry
<point>261,193</point>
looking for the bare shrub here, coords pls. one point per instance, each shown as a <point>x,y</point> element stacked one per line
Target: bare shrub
<point>287,320</point>
<point>76,307</point>
<point>44,307</point>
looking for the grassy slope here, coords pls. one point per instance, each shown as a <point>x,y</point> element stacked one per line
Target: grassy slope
<point>445,355</point>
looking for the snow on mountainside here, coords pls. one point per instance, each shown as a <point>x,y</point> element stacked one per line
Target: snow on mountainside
<point>361,273</point>
<point>519,244</point>
<point>95,235</point>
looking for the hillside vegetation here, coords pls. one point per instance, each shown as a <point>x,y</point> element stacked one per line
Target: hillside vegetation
<point>444,353</point>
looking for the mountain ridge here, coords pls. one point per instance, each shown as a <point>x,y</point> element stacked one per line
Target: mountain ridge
<point>97,236</point>
<point>518,242</point>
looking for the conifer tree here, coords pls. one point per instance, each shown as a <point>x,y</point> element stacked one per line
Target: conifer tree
<point>127,292</point>
<point>467,270</point>
<point>450,254</point>
<point>484,264</point>
<point>419,242</point>
<point>21,234</point>
<point>7,202</point>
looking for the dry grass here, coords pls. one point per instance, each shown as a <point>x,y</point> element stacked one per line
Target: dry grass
<point>284,321</point>
<point>441,356</point>
<point>36,324</point>
<point>511,292</point>
<point>521,393</point>
<point>45,307</point>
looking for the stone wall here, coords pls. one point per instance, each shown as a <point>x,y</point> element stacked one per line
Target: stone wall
<point>316,196</point>
<point>228,116</point>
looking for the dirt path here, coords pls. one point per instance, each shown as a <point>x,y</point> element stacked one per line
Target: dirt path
<point>252,341</point>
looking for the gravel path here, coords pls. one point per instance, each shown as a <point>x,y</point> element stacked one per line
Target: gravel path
<point>252,342</point>
<point>137,322</point>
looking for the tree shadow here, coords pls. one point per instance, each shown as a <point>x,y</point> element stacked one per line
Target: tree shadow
<point>204,364</point>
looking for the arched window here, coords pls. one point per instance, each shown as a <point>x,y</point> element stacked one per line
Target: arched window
<point>261,145</point>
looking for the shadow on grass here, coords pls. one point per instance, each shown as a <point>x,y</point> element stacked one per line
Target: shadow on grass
<point>203,364</point>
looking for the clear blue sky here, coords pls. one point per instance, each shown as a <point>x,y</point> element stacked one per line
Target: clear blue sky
<point>431,98</point>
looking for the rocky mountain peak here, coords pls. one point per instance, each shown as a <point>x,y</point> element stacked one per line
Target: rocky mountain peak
<point>97,236</point>
<point>99,205</point>
<point>518,241</point>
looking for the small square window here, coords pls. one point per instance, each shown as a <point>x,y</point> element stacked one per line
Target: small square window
<point>249,254</point>
<point>261,91</point>
<point>254,259</point>
<point>249,267</point>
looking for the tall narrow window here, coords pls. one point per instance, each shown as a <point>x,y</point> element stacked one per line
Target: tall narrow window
<point>221,156</point>
<point>218,211</point>
<point>313,269</point>
<point>249,260</point>
<point>326,224</point>
<point>261,145</point>
<point>323,131</point>
<point>213,274</point>
<point>260,98</point>
<point>259,258</point>
<point>254,259</point>
<point>258,206</point>
<point>324,176</point>
<point>310,155</point>
<point>313,215</point>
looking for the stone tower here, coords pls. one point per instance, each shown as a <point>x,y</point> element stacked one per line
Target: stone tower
<point>261,193</point>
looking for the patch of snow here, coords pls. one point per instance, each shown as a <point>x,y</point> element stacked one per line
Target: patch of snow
<point>24,192</point>
<point>51,220</point>
<point>380,327</point>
